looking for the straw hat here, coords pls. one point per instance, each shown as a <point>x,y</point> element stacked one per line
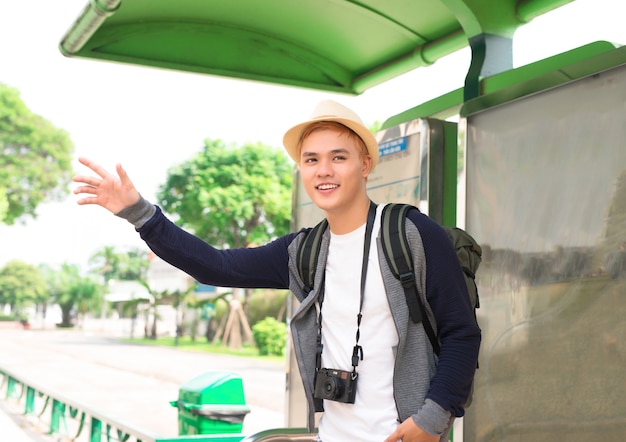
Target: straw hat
<point>329,110</point>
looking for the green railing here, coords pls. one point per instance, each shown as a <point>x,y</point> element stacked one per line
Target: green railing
<point>61,416</point>
<point>76,422</point>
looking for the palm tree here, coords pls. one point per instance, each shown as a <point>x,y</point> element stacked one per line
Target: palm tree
<point>107,262</point>
<point>159,298</point>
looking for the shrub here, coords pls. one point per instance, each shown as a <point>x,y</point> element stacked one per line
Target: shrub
<point>270,336</point>
<point>7,318</point>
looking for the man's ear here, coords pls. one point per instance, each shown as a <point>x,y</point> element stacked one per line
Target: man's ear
<point>367,165</point>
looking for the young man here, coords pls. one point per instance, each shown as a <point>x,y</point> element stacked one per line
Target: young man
<point>354,325</point>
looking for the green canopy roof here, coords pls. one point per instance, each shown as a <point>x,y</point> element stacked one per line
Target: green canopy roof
<point>335,45</point>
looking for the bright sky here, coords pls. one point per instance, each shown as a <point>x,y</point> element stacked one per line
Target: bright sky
<point>150,119</point>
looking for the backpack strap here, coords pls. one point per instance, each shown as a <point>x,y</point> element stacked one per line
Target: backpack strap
<point>398,255</point>
<point>308,252</point>
<point>400,259</point>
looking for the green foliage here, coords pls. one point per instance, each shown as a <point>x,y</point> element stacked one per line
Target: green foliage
<point>8,318</point>
<point>270,336</point>
<point>126,266</point>
<point>72,291</point>
<point>134,265</point>
<point>376,126</point>
<point>35,159</point>
<point>4,204</point>
<point>21,285</point>
<point>264,303</point>
<point>231,196</point>
<point>106,262</point>
<point>221,309</point>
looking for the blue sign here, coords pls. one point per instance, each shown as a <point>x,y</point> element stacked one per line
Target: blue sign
<point>204,288</point>
<point>392,146</point>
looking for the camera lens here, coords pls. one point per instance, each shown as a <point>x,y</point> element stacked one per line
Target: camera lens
<point>332,388</point>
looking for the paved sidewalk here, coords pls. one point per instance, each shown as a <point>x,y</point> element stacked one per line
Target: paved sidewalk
<point>130,383</point>
<point>15,428</point>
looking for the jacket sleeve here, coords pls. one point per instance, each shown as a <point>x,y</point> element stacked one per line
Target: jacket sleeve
<point>457,328</point>
<point>260,267</point>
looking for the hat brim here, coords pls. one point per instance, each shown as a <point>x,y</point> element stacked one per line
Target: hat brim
<point>292,137</point>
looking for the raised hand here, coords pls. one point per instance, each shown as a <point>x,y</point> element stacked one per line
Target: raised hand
<point>113,192</point>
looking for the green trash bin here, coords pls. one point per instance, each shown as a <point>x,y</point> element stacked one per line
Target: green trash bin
<point>211,403</point>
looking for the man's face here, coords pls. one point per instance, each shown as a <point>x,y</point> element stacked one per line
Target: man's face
<point>333,169</point>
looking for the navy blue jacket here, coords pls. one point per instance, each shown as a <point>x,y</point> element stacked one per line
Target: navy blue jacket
<point>268,266</point>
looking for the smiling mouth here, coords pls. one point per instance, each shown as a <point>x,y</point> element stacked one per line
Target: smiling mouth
<point>327,186</point>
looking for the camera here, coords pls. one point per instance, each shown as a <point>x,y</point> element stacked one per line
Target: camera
<point>335,385</point>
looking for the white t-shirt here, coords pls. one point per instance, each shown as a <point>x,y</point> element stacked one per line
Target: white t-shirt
<point>373,416</point>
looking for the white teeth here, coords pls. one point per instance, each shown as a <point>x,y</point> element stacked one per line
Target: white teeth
<point>327,186</point>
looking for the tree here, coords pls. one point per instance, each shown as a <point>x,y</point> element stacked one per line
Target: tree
<point>133,265</point>
<point>35,159</point>
<point>126,266</point>
<point>73,292</point>
<point>107,262</point>
<point>21,285</point>
<point>231,196</point>
<point>4,204</point>
<point>159,298</point>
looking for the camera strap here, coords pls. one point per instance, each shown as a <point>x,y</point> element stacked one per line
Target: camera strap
<point>357,353</point>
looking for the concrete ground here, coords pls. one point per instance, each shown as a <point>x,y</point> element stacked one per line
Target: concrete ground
<point>133,383</point>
